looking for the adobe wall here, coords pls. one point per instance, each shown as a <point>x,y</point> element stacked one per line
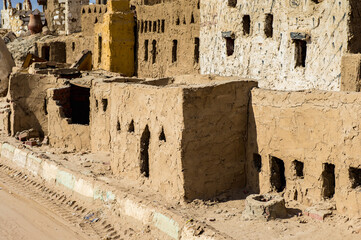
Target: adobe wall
<point>313,128</point>
<point>214,137</point>
<point>5,18</point>
<point>53,50</point>
<point>160,23</point>
<point>73,15</point>
<point>4,117</point>
<point>351,72</point>
<point>55,15</point>
<point>114,40</point>
<point>62,132</point>
<point>100,102</point>
<point>90,15</point>
<point>27,93</point>
<point>176,124</point>
<point>323,25</point>
<point>76,44</point>
<point>135,107</point>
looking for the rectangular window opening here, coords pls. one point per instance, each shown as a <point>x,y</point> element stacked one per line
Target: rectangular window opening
<point>328,181</point>
<point>146,42</point>
<point>300,53</point>
<point>154,51</point>
<point>163,26</point>
<point>100,40</point>
<point>246,22</point>
<point>45,53</point>
<point>196,50</point>
<point>155,26</point>
<point>268,30</point>
<point>229,46</point>
<point>355,177</point>
<point>232,3</point>
<point>174,51</point>
<point>298,168</point>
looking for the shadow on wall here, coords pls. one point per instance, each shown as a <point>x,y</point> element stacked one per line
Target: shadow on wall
<point>254,158</point>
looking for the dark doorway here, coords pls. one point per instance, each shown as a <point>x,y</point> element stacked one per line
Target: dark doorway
<point>144,152</point>
<point>45,53</point>
<point>278,178</point>
<point>80,105</point>
<point>328,180</point>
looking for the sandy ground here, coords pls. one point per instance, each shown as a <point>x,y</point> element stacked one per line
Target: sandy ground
<point>22,218</point>
<point>223,215</point>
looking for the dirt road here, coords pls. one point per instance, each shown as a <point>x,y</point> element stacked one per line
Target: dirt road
<point>22,218</point>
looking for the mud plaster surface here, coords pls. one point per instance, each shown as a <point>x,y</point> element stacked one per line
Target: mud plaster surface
<point>271,60</point>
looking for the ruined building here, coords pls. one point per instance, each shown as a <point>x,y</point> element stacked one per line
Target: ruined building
<point>17,19</point>
<point>63,16</point>
<point>189,136</point>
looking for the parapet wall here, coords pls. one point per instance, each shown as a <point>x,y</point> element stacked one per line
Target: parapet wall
<point>90,15</point>
<point>308,145</point>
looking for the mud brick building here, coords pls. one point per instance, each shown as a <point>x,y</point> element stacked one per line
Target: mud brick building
<point>286,45</point>
<point>167,37</point>
<point>17,19</point>
<point>63,16</point>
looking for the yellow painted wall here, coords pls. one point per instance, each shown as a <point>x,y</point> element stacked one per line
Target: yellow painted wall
<point>118,41</point>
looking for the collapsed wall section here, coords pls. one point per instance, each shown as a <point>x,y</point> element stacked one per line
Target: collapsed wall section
<point>307,146</point>
<point>28,101</point>
<point>286,45</point>
<point>68,118</point>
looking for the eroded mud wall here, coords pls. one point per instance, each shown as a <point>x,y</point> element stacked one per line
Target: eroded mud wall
<point>214,138</point>
<point>28,96</point>
<point>141,126</point>
<point>100,103</point>
<point>253,39</point>
<point>147,143</point>
<point>306,144</point>
<point>66,130</point>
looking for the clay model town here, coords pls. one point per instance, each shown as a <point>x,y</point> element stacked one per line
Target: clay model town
<point>180,119</point>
